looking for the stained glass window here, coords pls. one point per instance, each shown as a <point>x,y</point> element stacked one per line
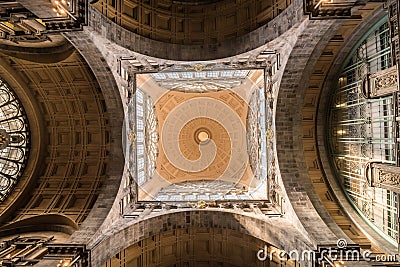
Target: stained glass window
<point>14,140</point>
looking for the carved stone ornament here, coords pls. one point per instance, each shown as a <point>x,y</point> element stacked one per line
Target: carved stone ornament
<point>389,178</point>
<point>383,82</point>
<point>384,176</point>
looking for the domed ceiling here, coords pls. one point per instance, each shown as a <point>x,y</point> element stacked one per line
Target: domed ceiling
<point>201,138</point>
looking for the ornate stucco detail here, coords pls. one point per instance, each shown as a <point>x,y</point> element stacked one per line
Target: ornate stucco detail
<point>389,178</point>
<point>384,175</point>
<point>132,138</point>
<point>383,82</point>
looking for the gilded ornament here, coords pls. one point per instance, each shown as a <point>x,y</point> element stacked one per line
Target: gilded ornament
<point>198,67</point>
<point>132,137</point>
<point>269,133</point>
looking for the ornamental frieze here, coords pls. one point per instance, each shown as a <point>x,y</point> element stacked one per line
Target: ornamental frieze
<point>382,83</point>
<point>387,178</point>
<point>384,176</point>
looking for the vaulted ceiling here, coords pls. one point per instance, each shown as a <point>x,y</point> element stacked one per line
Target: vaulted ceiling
<point>191,22</point>
<point>69,129</point>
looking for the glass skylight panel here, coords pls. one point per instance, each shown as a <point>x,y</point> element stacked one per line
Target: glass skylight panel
<point>173,75</point>
<point>214,197</point>
<point>162,198</point>
<point>241,73</point>
<point>139,96</point>
<point>242,197</point>
<point>139,110</point>
<point>140,149</point>
<point>187,75</point>
<point>175,198</point>
<point>159,76</point>
<point>212,74</point>
<point>200,74</point>
<point>190,198</point>
<point>139,124</point>
<point>227,73</point>
<point>141,179</point>
<point>140,137</point>
<point>203,197</point>
<point>140,163</point>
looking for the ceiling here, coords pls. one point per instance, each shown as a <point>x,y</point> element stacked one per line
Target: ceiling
<point>200,22</point>
<point>202,135</point>
<point>69,135</point>
<point>200,247</point>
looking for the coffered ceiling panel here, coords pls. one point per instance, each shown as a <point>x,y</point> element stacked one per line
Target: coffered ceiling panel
<point>75,137</point>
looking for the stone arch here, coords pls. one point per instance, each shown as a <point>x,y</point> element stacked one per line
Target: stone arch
<point>113,104</point>
<point>40,223</point>
<point>291,159</point>
<point>164,50</point>
<point>279,234</point>
<point>55,49</point>
<point>70,136</point>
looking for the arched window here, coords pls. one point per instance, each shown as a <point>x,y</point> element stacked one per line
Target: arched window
<point>362,129</point>
<point>256,142</point>
<point>14,140</point>
<point>147,137</point>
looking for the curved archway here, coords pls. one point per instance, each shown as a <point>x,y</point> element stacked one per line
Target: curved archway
<point>55,48</point>
<point>191,22</point>
<point>322,131</point>
<point>261,228</point>
<point>40,223</point>
<point>69,125</point>
<point>113,106</point>
<point>200,246</point>
<point>264,32</point>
